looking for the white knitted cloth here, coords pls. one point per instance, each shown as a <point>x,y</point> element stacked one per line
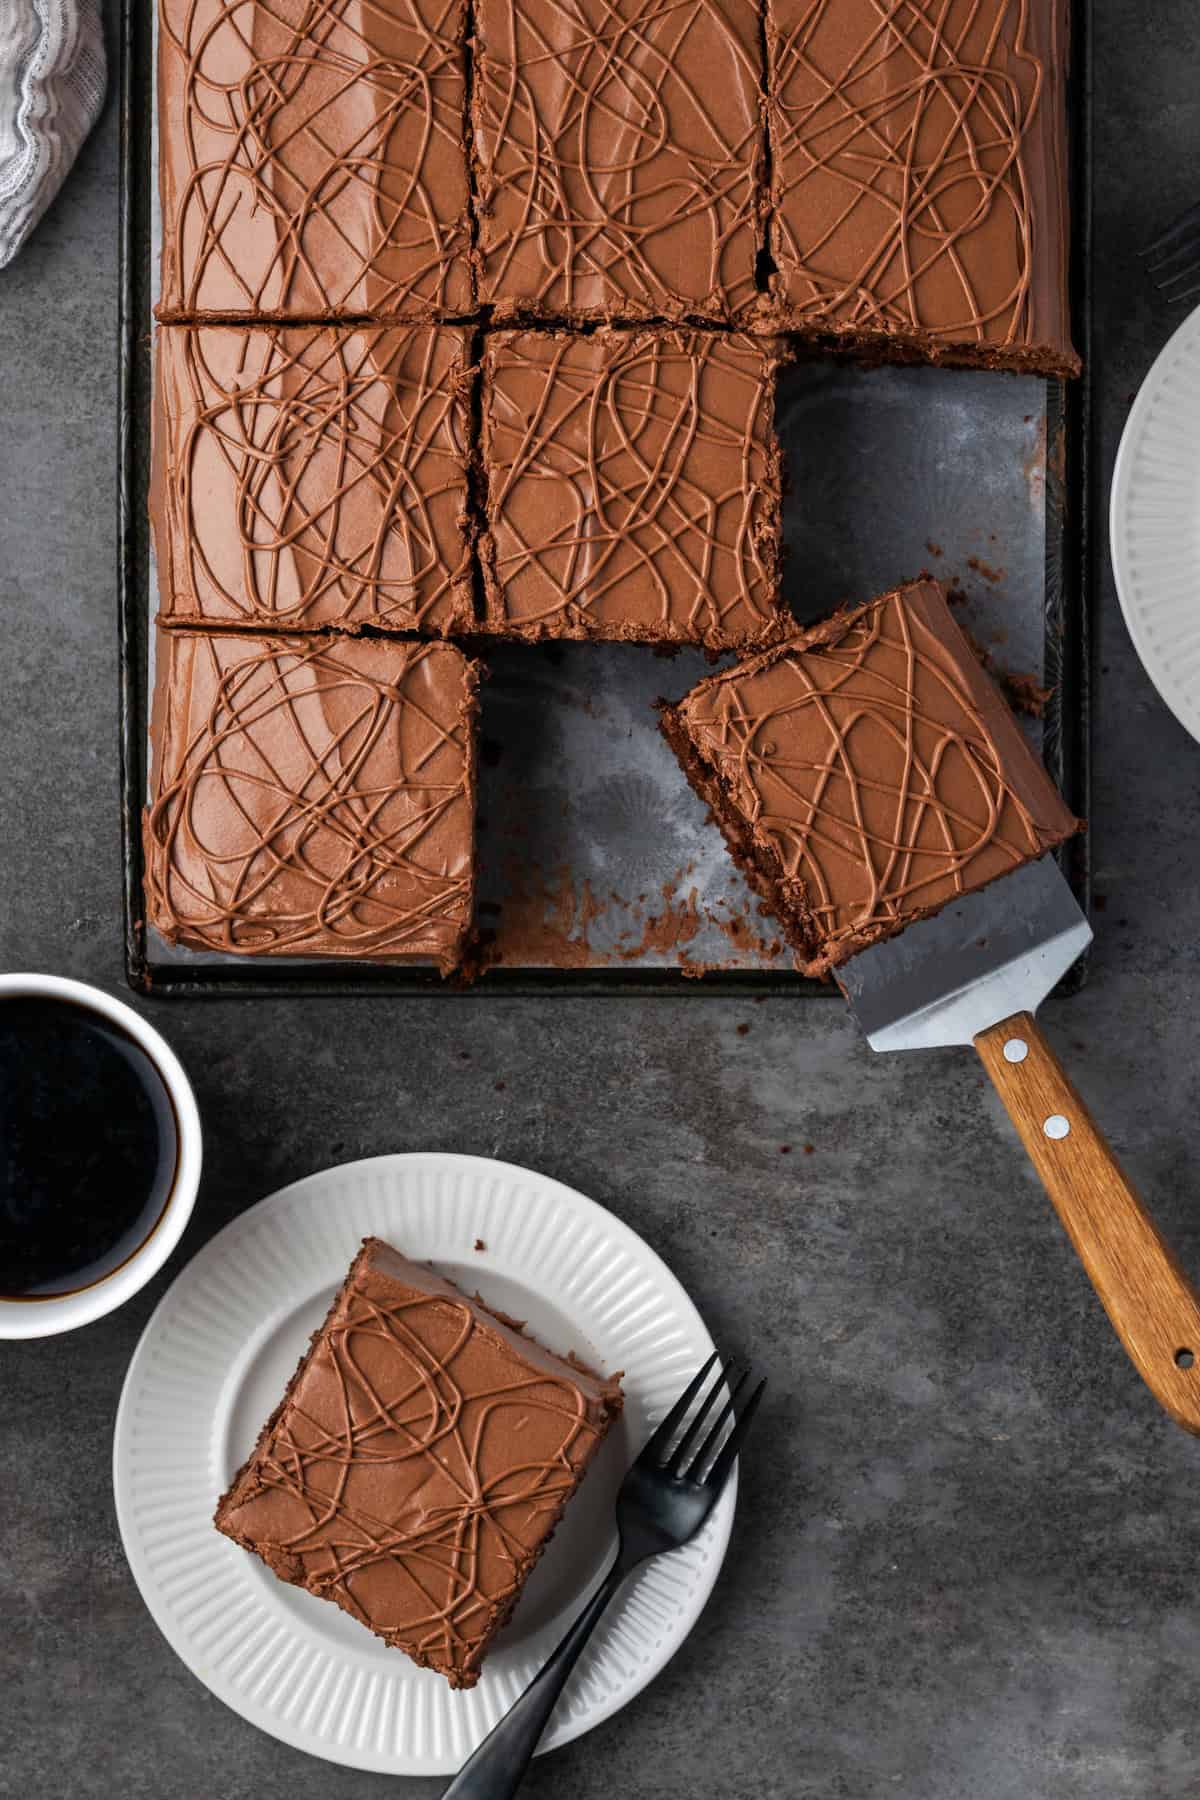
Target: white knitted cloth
<point>51,90</point>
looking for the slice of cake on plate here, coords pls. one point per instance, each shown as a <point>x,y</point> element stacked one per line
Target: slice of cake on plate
<point>419,1462</point>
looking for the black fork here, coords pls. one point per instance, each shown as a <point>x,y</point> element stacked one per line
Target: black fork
<point>1173,260</point>
<point>661,1505</point>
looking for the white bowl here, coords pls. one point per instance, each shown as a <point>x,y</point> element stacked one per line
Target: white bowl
<point>44,1315</point>
<point>1154,524</point>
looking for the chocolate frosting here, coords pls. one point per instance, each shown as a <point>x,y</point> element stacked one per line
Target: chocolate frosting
<point>312,477</point>
<point>618,153</point>
<point>418,1463</point>
<point>919,174</point>
<point>633,486</point>
<point>867,772</point>
<point>312,796</point>
<point>311,158</point>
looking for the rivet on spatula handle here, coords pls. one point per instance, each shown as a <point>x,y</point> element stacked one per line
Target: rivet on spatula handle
<point>1151,1302</point>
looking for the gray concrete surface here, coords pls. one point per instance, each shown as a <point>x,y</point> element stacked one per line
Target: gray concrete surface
<point>965,1563</point>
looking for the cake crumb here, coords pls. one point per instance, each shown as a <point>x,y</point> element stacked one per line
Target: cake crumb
<point>1025,693</point>
<point>985,569</point>
<point>809,1148</point>
<point>742,1030</point>
<point>933,549</point>
<point>479,1244</point>
<point>785,1149</point>
<point>500,1086</point>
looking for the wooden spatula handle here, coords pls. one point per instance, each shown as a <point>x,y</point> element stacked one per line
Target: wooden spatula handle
<point>1146,1294</point>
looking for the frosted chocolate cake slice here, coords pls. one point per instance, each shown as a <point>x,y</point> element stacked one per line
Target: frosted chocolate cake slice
<point>865,773</point>
<point>306,478</point>
<point>919,179</point>
<point>312,162</point>
<point>618,152</point>
<point>633,487</point>
<point>418,1463</point>
<point>312,797</point>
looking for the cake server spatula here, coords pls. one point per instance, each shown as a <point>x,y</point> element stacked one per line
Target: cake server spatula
<point>976,974</point>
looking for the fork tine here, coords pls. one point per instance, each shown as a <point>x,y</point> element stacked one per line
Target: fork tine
<point>714,1437</point>
<point>1177,229</point>
<point>719,1473</point>
<point>1177,254</point>
<point>675,1462</point>
<point>1171,290</point>
<point>653,1449</point>
<point>1178,268</point>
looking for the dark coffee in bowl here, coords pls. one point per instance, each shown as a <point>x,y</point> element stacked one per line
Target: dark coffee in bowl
<point>88,1146</point>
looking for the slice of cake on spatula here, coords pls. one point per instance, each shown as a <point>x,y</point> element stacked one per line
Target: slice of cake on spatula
<point>878,794</point>
<point>865,772</point>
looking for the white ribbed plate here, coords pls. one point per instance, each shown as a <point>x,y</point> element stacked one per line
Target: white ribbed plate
<point>214,1360</point>
<point>1154,524</point>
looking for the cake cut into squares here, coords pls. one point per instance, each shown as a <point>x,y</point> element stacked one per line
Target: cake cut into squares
<point>312,159</point>
<point>419,1462</point>
<point>919,178</point>
<point>865,773</point>
<point>307,477</point>
<point>618,148</point>
<point>312,797</point>
<point>633,487</point>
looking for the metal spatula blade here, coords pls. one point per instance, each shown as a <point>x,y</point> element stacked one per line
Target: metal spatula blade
<point>975,974</point>
<point>991,954</point>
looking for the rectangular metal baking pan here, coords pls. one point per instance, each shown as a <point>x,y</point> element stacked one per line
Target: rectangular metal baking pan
<point>598,871</point>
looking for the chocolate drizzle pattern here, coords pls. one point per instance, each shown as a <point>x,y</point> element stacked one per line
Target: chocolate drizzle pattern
<point>418,1463</point>
<point>618,148</point>
<point>868,772</point>
<point>312,161</point>
<point>917,169</point>
<point>633,487</point>
<point>312,797</point>
<point>308,478</point>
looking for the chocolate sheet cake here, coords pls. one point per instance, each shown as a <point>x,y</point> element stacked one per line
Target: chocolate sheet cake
<point>312,797</point>
<point>312,161</point>
<point>866,772</point>
<point>919,180</point>
<point>633,487</point>
<point>618,148</point>
<point>307,477</point>
<point>418,1463</point>
<point>626,213</point>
